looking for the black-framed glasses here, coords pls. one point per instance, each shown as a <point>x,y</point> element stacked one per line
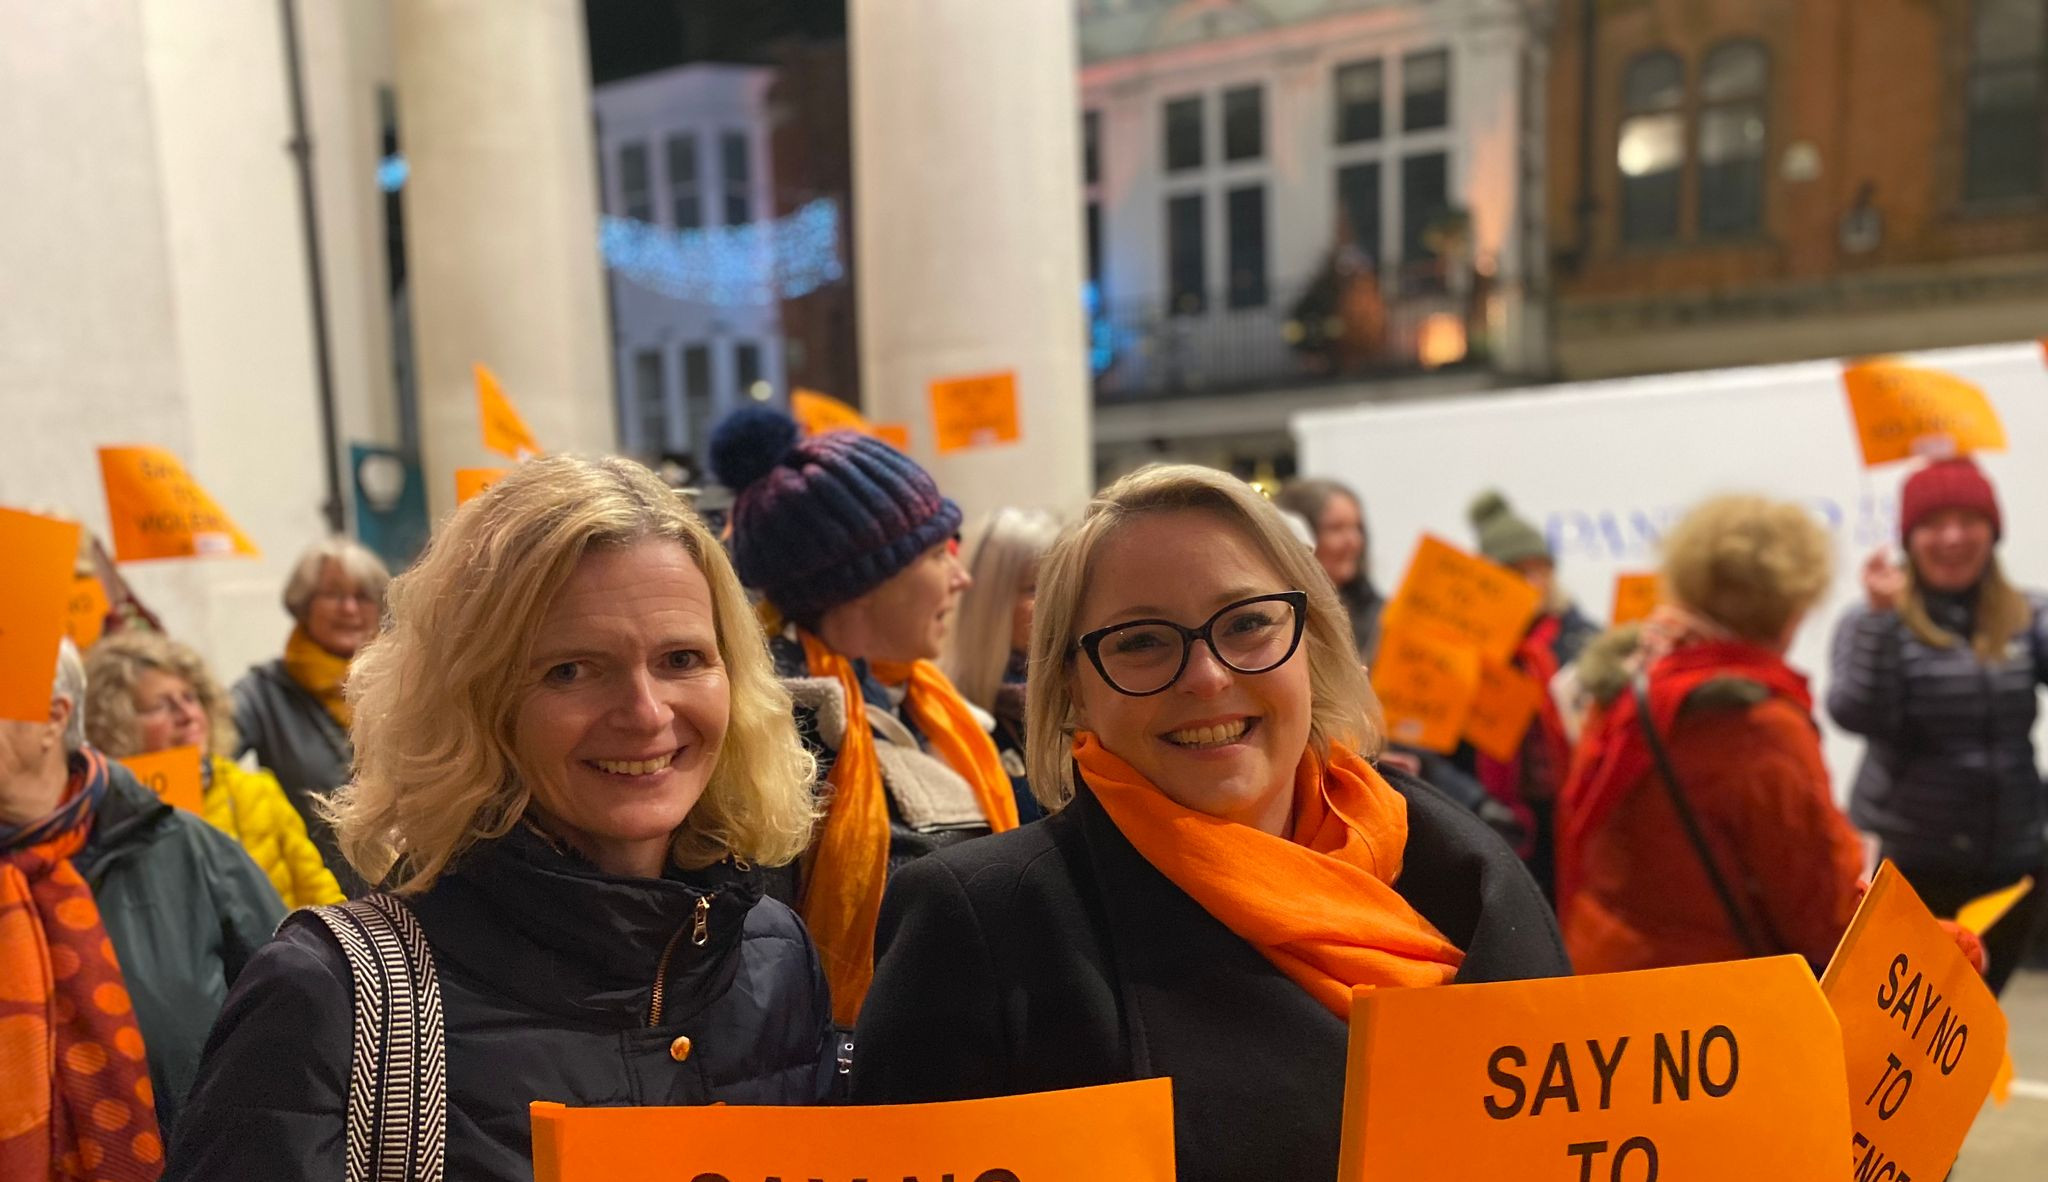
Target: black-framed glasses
<point>1139,658</point>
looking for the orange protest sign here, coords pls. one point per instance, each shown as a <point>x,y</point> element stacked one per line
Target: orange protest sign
<point>40,551</point>
<point>85,611</point>
<point>1922,1035</point>
<point>1485,605</point>
<point>1981,913</point>
<point>471,481</point>
<point>1635,597</point>
<point>817,413</point>
<point>1115,1133</point>
<point>976,411</point>
<point>1902,412</point>
<point>1502,709</point>
<point>896,435</point>
<point>1710,1071</point>
<point>159,511</point>
<point>173,775</point>
<point>504,431</point>
<point>1426,682</point>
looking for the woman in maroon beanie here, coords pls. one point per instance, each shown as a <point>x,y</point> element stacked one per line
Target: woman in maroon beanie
<point>1938,670</point>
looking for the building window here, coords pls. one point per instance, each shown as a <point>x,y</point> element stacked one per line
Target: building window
<point>636,195</point>
<point>650,400</point>
<point>739,178</point>
<point>2002,152</point>
<point>685,201</point>
<point>697,399</point>
<point>1244,124</point>
<point>1184,134</point>
<point>1186,269</point>
<point>1426,90</point>
<point>1358,203</point>
<point>746,367</point>
<point>1245,215</point>
<point>1361,101</point>
<point>1091,134</point>
<point>1095,246</point>
<point>1734,85</point>
<point>1651,148</point>
<point>1425,197</point>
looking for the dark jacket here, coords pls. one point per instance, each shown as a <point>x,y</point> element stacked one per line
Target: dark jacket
<point>186,909</point>
<point>1056,956</point>
<point>295,737</point>
<point>1948,780</point>
<point>547,969</point>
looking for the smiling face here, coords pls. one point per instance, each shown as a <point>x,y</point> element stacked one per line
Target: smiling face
<point>341,616</point>
<point>1950,549</point>
<point>1340,539</point>
<point>1216,741</point>
<point>906,617</point>
<point>624,705</point>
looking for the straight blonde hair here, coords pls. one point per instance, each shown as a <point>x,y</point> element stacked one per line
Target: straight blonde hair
<point>1002,552</point>
<point>1342,706</point>
<point>2002,614</point>
<point>436,693</point>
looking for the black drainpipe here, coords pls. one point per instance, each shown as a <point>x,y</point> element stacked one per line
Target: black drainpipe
<point>301,148</point>
<point>1589,73</point>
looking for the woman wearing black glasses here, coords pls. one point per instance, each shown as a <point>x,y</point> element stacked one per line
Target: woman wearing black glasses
<point>1223,863</point>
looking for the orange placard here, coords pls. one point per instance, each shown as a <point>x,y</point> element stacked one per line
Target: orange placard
<point>173,775</point>
<point>976,411</point>
<point>159,511</point>
<point>1902,412</point>
<point>85,611</point>
<point>504,431</point>
<point>1502,709</point>
<point>1426,682</point>
<point>1710,1071</point>
<point>896,435</point>
<point>40,552</point>
<point>1635,597</point>
<point>1984,911</point>
<point>1485,605</point>
<point>1922,1035</point>
<point>1115,1133</point>
<point>817,413</point>
<point>471,481</point>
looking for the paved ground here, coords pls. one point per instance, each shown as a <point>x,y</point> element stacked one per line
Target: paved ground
<point>2010,1144</point>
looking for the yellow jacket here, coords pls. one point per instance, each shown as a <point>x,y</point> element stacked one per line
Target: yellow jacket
<point>251,808</point>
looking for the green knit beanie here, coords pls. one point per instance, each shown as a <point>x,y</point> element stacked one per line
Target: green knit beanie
<point>1504,537</point>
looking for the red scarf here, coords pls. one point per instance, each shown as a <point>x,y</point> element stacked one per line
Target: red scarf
<point>1613,757</point>
<point>1546,751</point>
<point>75,1099</point>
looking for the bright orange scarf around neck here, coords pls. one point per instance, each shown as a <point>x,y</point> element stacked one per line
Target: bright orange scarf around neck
<point>843,882</point>
<point>1320,904</point>
<point>318,672</point>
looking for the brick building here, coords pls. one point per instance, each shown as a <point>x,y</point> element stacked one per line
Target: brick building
<point>1739,181</point>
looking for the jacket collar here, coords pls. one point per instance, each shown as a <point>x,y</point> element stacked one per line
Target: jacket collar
<point>126,814</point>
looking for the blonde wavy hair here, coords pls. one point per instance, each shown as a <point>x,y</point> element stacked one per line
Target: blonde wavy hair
<point>2003,613</point>
<point>435,694</point>
<point>1002,552</point>
<point>1750,564</point>
<point>113,668</point>
<point>1342,706</point>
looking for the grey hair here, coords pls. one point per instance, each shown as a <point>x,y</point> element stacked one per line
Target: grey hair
<point>71,687</point>
<point>358,562</point>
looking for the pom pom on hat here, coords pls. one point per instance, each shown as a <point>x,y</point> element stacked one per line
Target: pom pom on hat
<point>749,444</point>
<point>1503,537</point>
<point>1485,507</point>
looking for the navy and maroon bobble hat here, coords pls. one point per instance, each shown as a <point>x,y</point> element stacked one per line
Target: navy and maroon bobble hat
<point>822,521</point>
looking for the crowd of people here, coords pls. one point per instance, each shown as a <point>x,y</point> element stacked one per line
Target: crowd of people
<point>864,803</point>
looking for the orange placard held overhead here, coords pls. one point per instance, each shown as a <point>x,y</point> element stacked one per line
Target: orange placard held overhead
<point>816,413</point>
<point>40,552</point>
<point>471,481</point>
<point>976,411</point>
<point>1502,709</point>
<point>159,511</point>
<point>173,775</point>
<point>1426,682</point>
<point>1902,412</point>
<point>1115,1133</point>
<point>85,611</point>
<point>1712,1071</point>
<point>1635,597</point>
<point>504,431</point>
<point>1922,1035</point>
<point>1484,604</point>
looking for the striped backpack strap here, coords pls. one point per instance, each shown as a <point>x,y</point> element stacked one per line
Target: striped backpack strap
<point>398,1077</point>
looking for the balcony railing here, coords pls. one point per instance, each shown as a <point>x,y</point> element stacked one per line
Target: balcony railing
<point>1346,323</point>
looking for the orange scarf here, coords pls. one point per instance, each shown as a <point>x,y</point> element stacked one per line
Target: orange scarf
<point>1320,905</point>
<point>75,1099</point>
<point>318,672</point>
<point>843,882</point>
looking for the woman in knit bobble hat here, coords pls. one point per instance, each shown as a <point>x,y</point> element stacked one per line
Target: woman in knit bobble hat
<point>852,548</point>
<point>1938,670</point>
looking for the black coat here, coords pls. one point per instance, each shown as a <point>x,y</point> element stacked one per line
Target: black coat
<point>546,968</point>
<point>295,737</point>
<point>1056,956</point>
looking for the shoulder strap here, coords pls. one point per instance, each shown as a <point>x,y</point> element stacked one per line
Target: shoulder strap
<point>1689,820</point>
<point>398,1077</point>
